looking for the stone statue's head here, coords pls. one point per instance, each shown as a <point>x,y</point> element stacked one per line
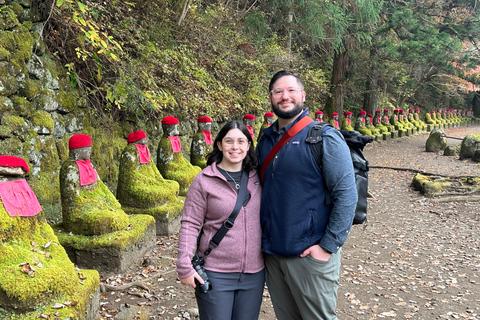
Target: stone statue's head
<point>80,147</point>
<point>318,114</point>
<point>269,118</point>
<point>249,120</point>
<point>138,137</point>
<point>205,123</point>
<point>170,126</point>
<point>12,168</point>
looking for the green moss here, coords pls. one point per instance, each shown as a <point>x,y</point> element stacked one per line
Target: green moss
<point>22,106</point>
<point>24,41</point>
<point>30,88</point>
<point>199,150</point>
<point>116,241</point>
<point>56,280</point>
<point>14,122</point>
<point>8,18</point>
<point>173,166</point>
<point>11,146</point>
<point>43,119</point>
<point>17,8</point>
<point>68,100</point>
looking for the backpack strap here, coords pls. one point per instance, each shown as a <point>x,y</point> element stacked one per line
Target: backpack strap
<point>297,127</point>
<point>315,139</point>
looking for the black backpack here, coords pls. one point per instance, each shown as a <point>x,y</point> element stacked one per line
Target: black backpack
<point>356,142</point>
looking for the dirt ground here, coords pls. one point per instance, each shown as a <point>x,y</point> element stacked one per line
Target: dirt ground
<point>417,258</point>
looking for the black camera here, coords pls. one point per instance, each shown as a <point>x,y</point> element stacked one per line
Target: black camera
<point>198,263</point>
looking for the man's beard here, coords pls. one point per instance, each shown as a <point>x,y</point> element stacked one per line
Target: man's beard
<point>288,114</point>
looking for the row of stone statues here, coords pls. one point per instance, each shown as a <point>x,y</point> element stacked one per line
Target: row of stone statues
<point>384,125</point>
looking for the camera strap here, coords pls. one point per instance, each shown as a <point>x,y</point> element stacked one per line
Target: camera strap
<point>228,224</point>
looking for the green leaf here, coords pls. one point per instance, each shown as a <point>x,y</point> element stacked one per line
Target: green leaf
<point>60,2</point>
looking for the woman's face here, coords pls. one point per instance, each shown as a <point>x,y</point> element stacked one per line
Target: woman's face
<point>234,147</point>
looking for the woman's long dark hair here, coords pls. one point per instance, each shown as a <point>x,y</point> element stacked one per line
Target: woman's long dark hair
<point>251,160</point>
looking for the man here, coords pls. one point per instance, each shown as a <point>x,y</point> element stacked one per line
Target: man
<point>306,214</point>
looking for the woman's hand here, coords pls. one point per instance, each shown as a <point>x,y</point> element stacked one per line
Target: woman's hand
<point>191,280</point>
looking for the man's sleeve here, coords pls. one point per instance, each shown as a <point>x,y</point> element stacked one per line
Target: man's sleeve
<point>340,181</point>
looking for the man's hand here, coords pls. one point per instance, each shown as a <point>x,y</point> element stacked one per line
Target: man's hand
<point>316,252</point>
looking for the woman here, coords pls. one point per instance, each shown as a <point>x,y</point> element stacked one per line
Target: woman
<point>235,268</point>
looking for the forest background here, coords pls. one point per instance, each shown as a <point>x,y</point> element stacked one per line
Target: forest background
<point>148,59</point>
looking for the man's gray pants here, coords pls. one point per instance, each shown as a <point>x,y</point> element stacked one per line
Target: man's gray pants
<point>303,288</point>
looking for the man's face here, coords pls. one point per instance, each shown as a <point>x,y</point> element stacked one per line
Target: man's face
<point>287,97</point>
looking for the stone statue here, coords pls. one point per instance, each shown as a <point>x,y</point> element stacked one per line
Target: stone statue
<point>347,121</point>
<point>202,143</point>
<point>170,161</point>
<point>142,189</point>
<point>249,121</point>
<point>319,116</point>
<point>334,120</point>
<point>88,206</point>
<point>268,120</point>
<point>40,272</point>
<point>360,124</point>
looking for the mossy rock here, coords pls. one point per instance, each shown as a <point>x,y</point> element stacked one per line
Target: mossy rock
<point>429,186</point>
<point>43,122</point>
<point>9,82</point>
<point>46,100</point>
<point>30,88</point>
<point>88,210</point>
<point>173,166</point>
<point>17,125</point>
<point>31,240</point>
<point>6,106</point>
<point>22,106</point>
<point>450,151</point>
<point>11,146</point>
<point>436,141</point>
<point>469,145</point>
<point>8,18</point>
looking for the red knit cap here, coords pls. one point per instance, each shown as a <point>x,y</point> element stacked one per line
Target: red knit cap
<point>334,114</point>
<point>417,109</point>
<point>136,135</point>
<point>79,141</point>
<point>348,113</point>
<point>204,119</point>
<point>370,115</point>
<point>269,115</point>
<point>11,161</point>
<point>378,111</point>
<point>249,117</point>
<point>363,112</point>
<point>386,110</point>
<point>411,109</point>
<point>318,112</point>
<point>169,120</point>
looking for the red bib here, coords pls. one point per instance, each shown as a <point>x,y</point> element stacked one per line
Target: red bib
<point>208,137</point>
<point>176,145</point>
<point>19,199</point>
<point>143,153</point>
<point>88,175</point>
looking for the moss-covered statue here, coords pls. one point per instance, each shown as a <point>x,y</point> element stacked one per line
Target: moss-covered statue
<point>249,122</point>
<point>397,124</point>
<point>35,271</point>
<point>202,143</point>
<point>141,188</point>
<point>420,125</point>
<point>319,116</point>
<point>170,161</point>
<point>402,117</point>
<point>88,206</point>
<point>347,121</point>
<point>334,120</point>
<point>376,132</point>
<point>377,123</point>
<point>386,121</point>
<point>268,120</point>
<point>360,124</point>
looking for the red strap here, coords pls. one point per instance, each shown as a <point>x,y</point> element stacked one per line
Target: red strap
<point>302,123</point>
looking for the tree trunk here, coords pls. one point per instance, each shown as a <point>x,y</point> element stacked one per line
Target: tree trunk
<point>289,30</point>
<point>186,4</point>
<point>370,103</point>
<point>335,100</point>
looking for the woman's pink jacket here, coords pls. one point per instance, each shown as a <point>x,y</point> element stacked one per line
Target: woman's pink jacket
<point>209,201</point>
